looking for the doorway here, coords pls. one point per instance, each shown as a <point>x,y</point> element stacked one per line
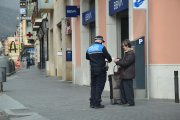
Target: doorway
<point>92,32</point>
<point>122,30</point>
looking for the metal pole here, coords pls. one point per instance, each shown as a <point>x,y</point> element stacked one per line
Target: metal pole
<point>147,50</point>
<point>176,86</point>
<point>1,83</point>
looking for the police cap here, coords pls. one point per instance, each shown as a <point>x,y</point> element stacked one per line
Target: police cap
<point>99,38</point>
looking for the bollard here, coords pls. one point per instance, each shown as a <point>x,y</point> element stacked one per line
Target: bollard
<point>1,86</point>
<point>176,86</point>
<point>2,77</point>
<point>1,82</point>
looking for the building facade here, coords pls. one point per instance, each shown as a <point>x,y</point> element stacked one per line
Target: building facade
<point>60,42</point>
<point>116,20</point>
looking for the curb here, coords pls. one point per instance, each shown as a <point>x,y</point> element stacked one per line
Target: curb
<point>22,114</point>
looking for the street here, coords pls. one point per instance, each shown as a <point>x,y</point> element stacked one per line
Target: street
<point>53,99</point>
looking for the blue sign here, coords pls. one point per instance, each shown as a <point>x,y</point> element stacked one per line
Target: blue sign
<point>88,16</point>
<point>72,11</point>
<point>22,11</point>
<point>140,4</point>
<point>137,3</point>
<point>116,6</point>
<point>68,55</point>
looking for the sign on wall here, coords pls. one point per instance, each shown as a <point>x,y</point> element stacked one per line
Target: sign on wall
<point>141,41</point>
<point>140,4</point>
<point>22,11</point>
<point>116,6</point>
<point>88,16</point>
<point>14,46</point>
<point>72,11</point>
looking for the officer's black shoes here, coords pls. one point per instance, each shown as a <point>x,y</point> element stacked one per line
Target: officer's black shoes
<point>99,106</point>
<point>92,106</point>
<point>96,106</point>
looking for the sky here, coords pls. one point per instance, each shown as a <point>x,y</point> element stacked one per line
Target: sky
<point>9,11</point>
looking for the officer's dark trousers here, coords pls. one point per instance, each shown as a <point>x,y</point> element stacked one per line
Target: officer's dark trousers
<point>98,80</point>
<point>127,91</point>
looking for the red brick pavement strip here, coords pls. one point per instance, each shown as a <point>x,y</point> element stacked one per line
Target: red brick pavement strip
<point>3,116</point>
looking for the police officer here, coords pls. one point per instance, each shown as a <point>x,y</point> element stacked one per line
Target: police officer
<point>97,54</point>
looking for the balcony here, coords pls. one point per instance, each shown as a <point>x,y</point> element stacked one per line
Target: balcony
<point>38,22</point>
<point>45,6</point>
<point>35,28</point>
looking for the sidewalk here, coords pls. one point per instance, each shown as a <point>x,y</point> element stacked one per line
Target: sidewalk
<point>59,100</point>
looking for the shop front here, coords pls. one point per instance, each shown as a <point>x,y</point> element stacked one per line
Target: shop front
<point>120,11</point>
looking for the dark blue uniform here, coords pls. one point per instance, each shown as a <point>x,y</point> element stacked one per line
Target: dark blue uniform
<point>97,53</point>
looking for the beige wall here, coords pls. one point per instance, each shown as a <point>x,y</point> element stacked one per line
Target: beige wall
<point>51,70</point>
<point>24,28</point>
<point>61,41</point>
<point>55,39</point>
<point>164,21</point>
<point>164,31</point>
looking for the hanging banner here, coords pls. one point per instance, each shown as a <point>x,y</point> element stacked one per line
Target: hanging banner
<point>140,4</point>
<point>88,16</point>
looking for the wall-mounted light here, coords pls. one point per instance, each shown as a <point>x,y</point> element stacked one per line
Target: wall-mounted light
<point>46,1</point>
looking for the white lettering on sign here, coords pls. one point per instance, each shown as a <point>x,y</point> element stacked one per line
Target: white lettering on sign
<point>24,18</point>
<point>88,16</point>
<point>118,4</point>
<point>71,11</point>
<point>140,41</point>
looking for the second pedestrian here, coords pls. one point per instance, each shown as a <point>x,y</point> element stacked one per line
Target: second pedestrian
<point>127,72</point>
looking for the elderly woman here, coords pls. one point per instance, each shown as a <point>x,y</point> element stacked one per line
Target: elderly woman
<point>127,72</point>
